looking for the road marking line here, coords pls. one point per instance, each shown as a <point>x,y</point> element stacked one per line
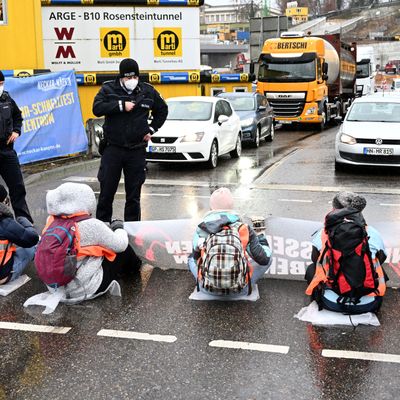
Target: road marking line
<point>296,200</point>
<point>34,328</point>
<point>136,335</point>
<point>273,167</point>
<point>389,205</point>
<point>165,182</point>
<point>144,194</point>
<point>305,188</point>
<point>270,348</point>
<point>360,355</point>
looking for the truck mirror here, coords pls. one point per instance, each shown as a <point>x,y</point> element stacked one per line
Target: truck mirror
<point>325,68</point>
<point>325,77</point>
<point>251,68</point>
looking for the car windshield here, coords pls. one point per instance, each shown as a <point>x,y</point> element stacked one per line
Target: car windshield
<point>242,103</point>
<point>374,112</point>
<point>189,110</point>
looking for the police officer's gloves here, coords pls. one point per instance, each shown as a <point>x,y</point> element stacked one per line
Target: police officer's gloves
<point>24,222</point>
<point>117,224</point>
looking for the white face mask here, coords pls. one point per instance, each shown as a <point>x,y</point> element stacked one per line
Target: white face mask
<point>131,84</point>
<point>1,89</point>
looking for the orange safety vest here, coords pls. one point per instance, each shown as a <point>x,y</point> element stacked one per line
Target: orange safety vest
<point>83,251</point>
<point>6,251</point>
<point>322,268</point>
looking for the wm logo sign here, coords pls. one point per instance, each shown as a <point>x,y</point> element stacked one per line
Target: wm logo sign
<point>168,42</point>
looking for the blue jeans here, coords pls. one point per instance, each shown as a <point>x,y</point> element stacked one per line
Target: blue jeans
<point>22,257</point>
<point>258,272</point>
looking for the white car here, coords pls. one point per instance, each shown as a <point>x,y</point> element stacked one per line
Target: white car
<point>197,129</point>
<point>370,133</point>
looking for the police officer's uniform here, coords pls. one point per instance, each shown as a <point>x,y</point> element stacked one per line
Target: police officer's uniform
<point>10,170</point>
<point>125,150</point>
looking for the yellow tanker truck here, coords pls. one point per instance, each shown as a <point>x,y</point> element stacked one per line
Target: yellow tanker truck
<point>307,79</point>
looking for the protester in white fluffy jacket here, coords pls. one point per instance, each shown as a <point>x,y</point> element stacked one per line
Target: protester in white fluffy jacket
<point>94,274</point>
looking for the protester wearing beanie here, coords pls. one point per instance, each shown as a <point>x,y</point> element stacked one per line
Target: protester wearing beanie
<point>126,104</point>
<point>10,130</point>
<point>21,239</point>
<point>354,203</point>
<point>222,215</point>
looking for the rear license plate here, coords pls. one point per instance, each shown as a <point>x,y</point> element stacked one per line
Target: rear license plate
<point>376,151</point>
<point>162,149</point>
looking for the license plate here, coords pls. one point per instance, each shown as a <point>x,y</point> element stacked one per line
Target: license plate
<point>376,151</point>
<point>162,149</point>
<point>283,122</point>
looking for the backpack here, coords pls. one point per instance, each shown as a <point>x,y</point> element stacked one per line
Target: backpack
<point>223,266</point>
<point>56,253</point>
<point>346,256</point>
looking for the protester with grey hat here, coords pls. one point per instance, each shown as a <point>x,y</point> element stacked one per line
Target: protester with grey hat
<point>126,104</point>
<point>10,170</point>
<point>18,241</point>
<point>350,205</point>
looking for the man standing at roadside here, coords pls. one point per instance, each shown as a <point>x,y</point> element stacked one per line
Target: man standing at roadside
<point>10,170</point>
<point>126,104</point>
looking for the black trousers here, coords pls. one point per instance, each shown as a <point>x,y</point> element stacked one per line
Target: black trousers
<point>113,161</point>
<point>123,264</point>
<point>10,171</point>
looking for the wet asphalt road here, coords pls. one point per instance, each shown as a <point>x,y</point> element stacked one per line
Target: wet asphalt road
<point>292,177</point>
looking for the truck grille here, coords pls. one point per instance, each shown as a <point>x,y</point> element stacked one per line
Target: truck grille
<point>287,108</point>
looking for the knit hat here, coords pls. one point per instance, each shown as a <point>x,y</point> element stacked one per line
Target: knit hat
<point>221,199</point>
<point>349,200</point>
<point>1,76</point>
<point>3,193</point>
<point>128,67</point>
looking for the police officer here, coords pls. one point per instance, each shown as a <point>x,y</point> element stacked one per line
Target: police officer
<point>126,104</point>
<point>10,170</point>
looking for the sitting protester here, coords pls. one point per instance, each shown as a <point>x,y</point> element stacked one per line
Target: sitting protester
<point>228,256</point>
<point>18,239</point>
<point>78,252</point>
<point>347,273</point>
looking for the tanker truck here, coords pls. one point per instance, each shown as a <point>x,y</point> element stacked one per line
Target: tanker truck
<point>307,79</point>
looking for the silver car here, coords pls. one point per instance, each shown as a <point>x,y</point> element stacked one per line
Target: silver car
<point>370,133</point>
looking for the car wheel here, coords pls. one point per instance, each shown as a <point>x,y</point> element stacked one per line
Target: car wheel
<point>238,149</point>
<point>213,159</point>
<point>256,141</point>
<point>321,125</point>
<point>271,135</point>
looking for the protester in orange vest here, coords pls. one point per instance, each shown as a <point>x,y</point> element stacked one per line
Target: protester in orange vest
<point>18,239</point>
<point>103,251</point>
<point>347,274</point>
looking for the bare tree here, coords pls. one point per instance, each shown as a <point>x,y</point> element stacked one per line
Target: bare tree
<point>248,9</point>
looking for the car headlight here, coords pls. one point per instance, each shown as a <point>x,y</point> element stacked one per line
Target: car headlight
<point>311,110</point>
<point>193,137</point>
<point>347,139</point>
<point>247,122</point>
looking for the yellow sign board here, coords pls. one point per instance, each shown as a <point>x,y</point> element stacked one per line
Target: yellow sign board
<point>114,42</point>
<point>167,42</point>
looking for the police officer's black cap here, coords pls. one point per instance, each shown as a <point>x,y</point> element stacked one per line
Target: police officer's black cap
<point>1,76</point>
<point>3,191</point>
<point>128,67</point>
